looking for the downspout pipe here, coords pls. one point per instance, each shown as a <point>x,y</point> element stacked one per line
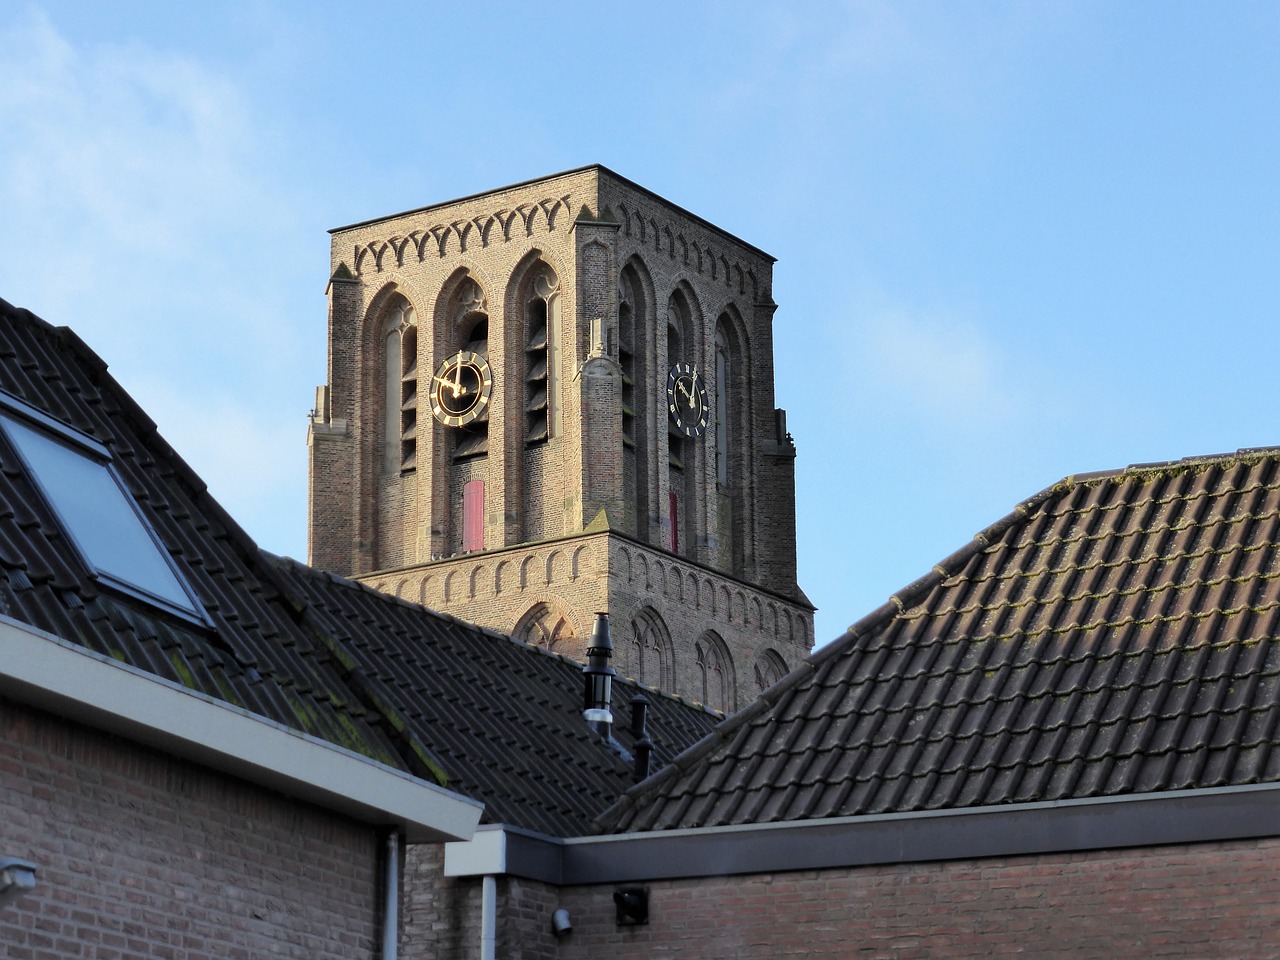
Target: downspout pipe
<point>391,909</point>
<point>489,917</point>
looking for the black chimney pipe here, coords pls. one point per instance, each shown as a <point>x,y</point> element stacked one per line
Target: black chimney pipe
<point>597,678</point>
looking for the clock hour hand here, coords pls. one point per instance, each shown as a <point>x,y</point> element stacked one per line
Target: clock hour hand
<point>456,390</point>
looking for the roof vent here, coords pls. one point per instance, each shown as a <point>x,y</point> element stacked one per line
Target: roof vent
<point>643,745</point>
<point>597,678</point>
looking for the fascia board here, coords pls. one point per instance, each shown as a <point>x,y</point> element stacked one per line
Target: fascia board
<point>47,672</point>
<point>1186,816</point>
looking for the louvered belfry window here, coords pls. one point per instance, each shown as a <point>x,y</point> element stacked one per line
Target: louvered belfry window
<point>541,354</point>
<point>400,440</point>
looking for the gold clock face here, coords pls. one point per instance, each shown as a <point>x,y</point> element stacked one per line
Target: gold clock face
<point>461,388</point>
<point>687,400</point>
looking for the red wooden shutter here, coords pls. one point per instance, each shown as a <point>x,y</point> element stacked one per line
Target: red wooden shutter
<point>473,516</point>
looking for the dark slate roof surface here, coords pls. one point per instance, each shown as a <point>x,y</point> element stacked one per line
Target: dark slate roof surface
<point>472,710</point>
<point>1118,633</point>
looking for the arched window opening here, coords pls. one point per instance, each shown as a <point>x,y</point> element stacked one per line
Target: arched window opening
<point>723,371</point>
<point>684,510</point>
<point>546,627</point>
<point>400,381</point>
<point>471,321</point>
<point>632,358</point>
<point>542,357</point>
<point>769,669</point>
<point>730,406</point>
<point>651,652</point>
<point>715,673</point>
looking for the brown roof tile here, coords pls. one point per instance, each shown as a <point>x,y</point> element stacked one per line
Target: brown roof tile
<point>1116,633</point>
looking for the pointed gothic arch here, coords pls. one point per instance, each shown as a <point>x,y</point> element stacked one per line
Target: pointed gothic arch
<point>651,655</point>
<point>714,664</point>
<point>545,625</point>
<point>769,669</point>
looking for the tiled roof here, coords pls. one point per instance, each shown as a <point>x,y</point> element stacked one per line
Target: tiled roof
<point>1116,634</point>
<point>502,719</point>
<point>475,711</point>
<point>254,656</point>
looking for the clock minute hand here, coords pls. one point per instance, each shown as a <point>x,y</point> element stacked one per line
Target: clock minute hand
<point>457,378</point>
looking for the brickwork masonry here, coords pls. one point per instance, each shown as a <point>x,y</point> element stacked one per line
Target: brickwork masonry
<point>496,589</point>
<point>144,855</point>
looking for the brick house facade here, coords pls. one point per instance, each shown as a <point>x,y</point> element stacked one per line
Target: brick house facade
<point>570,490</point>
<point>144,854</point>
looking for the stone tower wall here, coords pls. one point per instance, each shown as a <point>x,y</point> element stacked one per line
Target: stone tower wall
<point>715,513</point>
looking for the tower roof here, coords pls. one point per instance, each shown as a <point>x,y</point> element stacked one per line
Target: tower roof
<point>597,170</point>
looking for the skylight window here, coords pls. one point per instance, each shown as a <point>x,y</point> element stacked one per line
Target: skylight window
<point>98,514</point>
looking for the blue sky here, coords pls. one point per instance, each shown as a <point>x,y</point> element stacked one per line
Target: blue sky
<point>1015,241</point>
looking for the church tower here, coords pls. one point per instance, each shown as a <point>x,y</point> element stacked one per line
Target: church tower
<point>554,399</point>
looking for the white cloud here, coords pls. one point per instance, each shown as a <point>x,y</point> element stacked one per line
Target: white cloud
<point>134,207</point>
<point>124,158</point>
<point>944,371</point>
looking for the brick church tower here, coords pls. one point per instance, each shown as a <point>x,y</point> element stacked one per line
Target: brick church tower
<point>556,398</point>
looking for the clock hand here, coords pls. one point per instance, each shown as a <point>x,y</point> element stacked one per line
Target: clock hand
<point>457,378</point>
<point>452,389</point>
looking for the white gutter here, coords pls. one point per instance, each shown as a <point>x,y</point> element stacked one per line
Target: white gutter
<point>44,671</point>
<point>1131,820</point>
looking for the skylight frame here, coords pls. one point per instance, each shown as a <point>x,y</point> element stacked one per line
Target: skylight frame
<point>181,602</point>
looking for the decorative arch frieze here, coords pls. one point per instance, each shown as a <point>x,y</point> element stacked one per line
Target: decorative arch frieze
<point>502,576</point>
<point>575,563</point>
<point>439,238</point>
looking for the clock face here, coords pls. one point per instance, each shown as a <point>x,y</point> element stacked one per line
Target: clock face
<point>687,400</point>
<point>460,389</point>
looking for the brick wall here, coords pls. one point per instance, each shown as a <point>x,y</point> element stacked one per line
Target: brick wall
<point>580,575</point>
<point>1219,900</point>
<point>584,231</point>
<point>144,855</point>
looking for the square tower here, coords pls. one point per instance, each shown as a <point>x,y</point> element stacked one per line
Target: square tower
<point>556,398</point>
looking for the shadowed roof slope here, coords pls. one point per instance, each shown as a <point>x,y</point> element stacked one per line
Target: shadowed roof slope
<point>468,709</point>
<point>502,718</point>
<point>1116,634</point>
